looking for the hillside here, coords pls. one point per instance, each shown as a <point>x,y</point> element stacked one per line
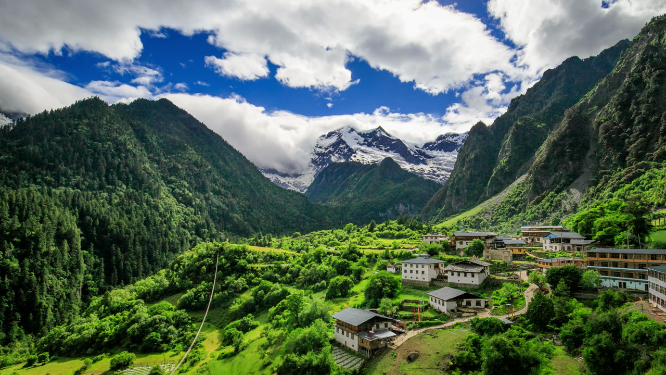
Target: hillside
<point>609,146</point>
<point>495,156</point>
<point>95,196</point>
<point>366,192</point>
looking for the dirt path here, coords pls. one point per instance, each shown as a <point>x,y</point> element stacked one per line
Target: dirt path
<point>529,294</point>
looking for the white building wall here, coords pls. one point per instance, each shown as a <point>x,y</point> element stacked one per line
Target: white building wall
<point>420,272</point>
<point>656,293</point>
<point>471,278</point>
<point>346,338</point>
<point>631,283</point>
<point>445,306</point>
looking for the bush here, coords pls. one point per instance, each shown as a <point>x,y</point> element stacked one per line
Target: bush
<point>156,370</point>
<point>43,357</point>
<point>487,326</point>
<point>98,358</point>
<point>122,361</point>
<point>381,285</point>
<point>31,360</point>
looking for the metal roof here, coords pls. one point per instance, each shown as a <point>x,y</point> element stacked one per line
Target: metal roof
<point>506,321</point>
<point>628,251</point>
<point>544,227</point>
<point>377,334</point>
<point>423,260</point>
<point>582,242</point>
<point>356,317</point>
<point>469,265</point>
<point>476,261</point>
<point>447,294</point>
<point>514,242</point>
<point>564,235</point>
<point>661,269</point>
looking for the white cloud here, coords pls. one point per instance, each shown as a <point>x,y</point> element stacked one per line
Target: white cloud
<point>116,91</point>
<point>549,31</point>
<point>145,76</point>
<point>245,66</point>
<point>201,83</point>
<point>329,105</point>
<point>181,86</point>
<point>434,46</point>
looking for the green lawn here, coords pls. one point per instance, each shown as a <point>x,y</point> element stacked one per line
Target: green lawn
<point>432,348</point>
<point>565,365</point>
<point>659,236</point>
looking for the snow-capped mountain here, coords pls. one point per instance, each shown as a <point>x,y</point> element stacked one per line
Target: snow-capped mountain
<point>434,160</point>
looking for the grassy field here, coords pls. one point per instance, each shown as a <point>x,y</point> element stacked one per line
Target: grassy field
<point>659,236</point>
<point>563,364</point>
<point>433,348</point>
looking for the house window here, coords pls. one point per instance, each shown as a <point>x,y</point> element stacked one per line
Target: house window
<point>410,271</point>
<point>422,272</point>
<point>465,274</point>
<point>352,336</point>
<point>478,302</point>
<point>385,325</point>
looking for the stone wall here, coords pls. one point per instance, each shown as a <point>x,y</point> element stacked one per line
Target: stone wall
<point>416,282</point>
<point>505,255</point>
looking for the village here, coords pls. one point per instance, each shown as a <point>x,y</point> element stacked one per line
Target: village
<point>451,290</point>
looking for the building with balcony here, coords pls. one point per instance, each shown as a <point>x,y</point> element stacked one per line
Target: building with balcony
<point>657,286</point>
<point>363,331</point>
<point>462,239</point>
<point>449,299</point>
<point>625,268</point>
<point>532,234</point>
<point>545,264</point>
<point>435,238</point>
<point>421,271</point>
<point>560,241</point>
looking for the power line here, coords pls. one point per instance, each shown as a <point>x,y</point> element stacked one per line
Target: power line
<point>202,321</point>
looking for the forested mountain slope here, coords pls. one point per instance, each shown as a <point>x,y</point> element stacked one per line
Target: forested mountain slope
<point>93,196</point>
<point>495,156</point>
<point>611,145</point>
<point>366,192</point>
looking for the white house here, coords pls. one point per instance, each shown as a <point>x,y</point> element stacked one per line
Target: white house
<point>394,268</point>
<point>422,270</point>
<point>471,272</point>
<point>362,331</point>
<point>435,238</point>
<point>560,241</point>
<point>448,299</point>
<point>657,289</point>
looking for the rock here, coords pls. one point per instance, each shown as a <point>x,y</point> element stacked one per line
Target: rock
<point>412,357</point>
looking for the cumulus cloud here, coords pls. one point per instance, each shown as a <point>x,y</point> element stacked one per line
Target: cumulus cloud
<point>434,46</point>
<point>244,66</point>
<point>181,86</point>
<point>549,31</point>
<point>283,140</point>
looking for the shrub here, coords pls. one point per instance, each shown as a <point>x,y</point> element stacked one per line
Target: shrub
<point>30,361</point>
<point>122,361</point>
<point>156,370</point>
<point>43,357</point>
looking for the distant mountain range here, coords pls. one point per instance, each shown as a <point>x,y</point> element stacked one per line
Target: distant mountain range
<point>433,160</point>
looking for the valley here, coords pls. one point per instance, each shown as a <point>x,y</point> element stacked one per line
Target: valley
<point>136,240</point>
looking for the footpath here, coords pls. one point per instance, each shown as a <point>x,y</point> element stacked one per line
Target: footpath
<point>529,294</point>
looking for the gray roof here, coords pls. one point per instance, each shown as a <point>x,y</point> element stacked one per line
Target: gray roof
<point>560,259</point>
<point>474,234</point>
<point>447,294</point>
<point>582,242</point>
<point>468,265</point>
<point>506,321</point>
<point>628,251</point>
<point>661,269</point>
<point>476,261</point>
<point>356,317</point>
<point>423,260</point>
<point>377,334</point>
<point>564,235</point>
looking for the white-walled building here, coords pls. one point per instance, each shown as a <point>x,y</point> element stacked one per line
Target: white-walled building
<point>362,330</point>
<point>394,268</point>
<point>657,289</point>
<point>435,238</point>
<point>471,272</point>
<point>448,299</point>
<point>532,234</point>
<point>560,241</point>
<point>422,270</point>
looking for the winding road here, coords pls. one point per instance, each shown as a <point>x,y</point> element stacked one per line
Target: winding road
<point>529,294</point>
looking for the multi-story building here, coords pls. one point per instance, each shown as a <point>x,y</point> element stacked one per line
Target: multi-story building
<point>657,286</point>
<point>625,268</point>
<point>362,331</point>
<point>435,238</point>
<point>581,245</point>
<point>560,241</point>
<point>422,270</point>
<point>462,239</point>
<point>517,247</point>
<point>532,234</point>
<point>545,264</point>
<point>469,272</point>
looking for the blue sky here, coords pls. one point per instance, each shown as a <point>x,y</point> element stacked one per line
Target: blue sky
<point>270,76</point>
